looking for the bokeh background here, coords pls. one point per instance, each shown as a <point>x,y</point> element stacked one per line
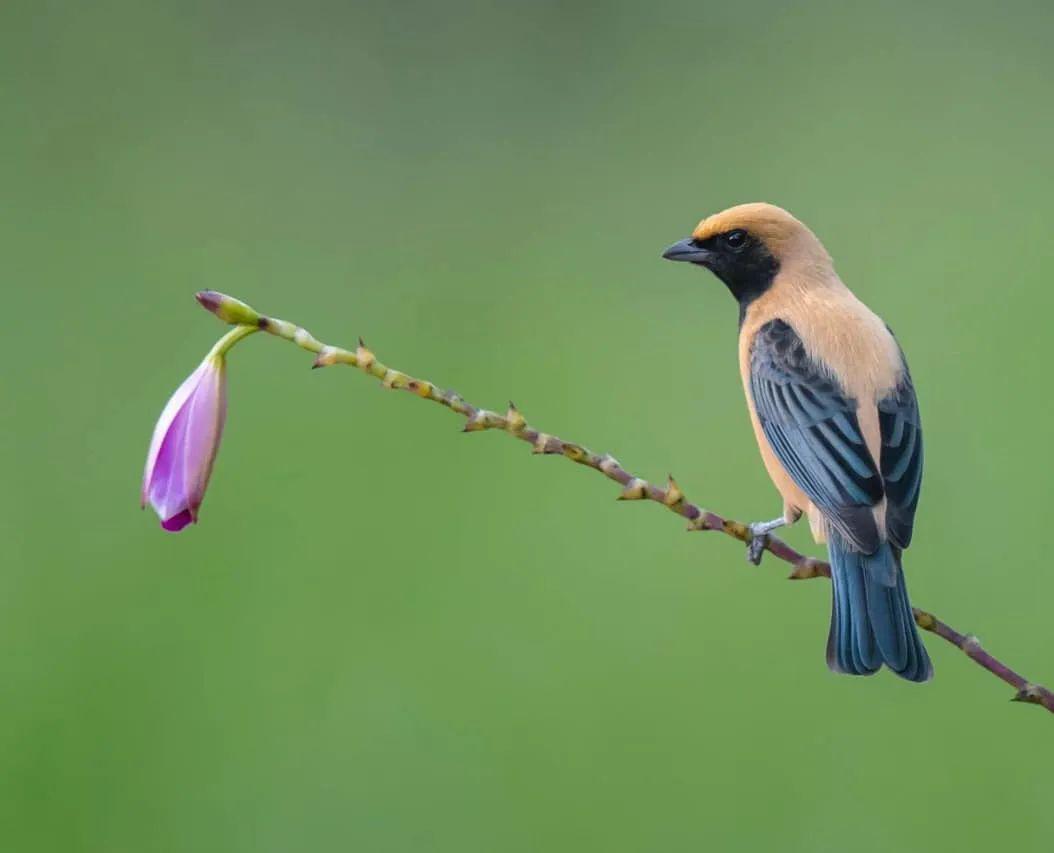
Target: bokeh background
<point>387,636</point>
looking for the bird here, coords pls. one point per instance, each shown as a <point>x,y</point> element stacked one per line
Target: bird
<point>836,418</point>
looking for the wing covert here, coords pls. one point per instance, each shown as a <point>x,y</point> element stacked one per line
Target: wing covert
<point>813,430</point>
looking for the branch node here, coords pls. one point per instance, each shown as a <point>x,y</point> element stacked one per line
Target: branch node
<point>364,356</point>
<point>326,357</point>
<point>737,529</point>
<point>1029,693</point>
<point>698,523</point>
<point>636,489</point>
<point>926,621</point>
<point>971,644</point>
<point>514,421</point>
<point>608,464</point>
<point>674,497</point>
<point>575,452</point>
<point>481,419</point>
<point>449,398</point>
<point>543,444</point>
<point>806,568</point>
<point>394,379</point>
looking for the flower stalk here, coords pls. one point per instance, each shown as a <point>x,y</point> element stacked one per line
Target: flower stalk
<point>225,344</point>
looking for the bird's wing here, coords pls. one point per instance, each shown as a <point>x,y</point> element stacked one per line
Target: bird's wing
<point>901,464</point>
<point>813,430</point>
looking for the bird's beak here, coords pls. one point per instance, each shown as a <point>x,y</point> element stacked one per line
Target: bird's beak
<point>687,250</point>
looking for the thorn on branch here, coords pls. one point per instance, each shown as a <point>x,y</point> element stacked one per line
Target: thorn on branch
<point>364,356</point>
<point>326,357</point>
<point>514,421</point>
<point>674,497</point>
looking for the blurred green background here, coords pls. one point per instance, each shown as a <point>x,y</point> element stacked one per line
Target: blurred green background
<point>386,636</point>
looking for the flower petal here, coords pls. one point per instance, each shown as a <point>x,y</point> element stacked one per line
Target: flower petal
<point>178,521</point>
<point>207,412</point>
<point>167,492</point>
<point>164,423</point>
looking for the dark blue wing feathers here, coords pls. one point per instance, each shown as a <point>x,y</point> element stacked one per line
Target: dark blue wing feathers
<point>901,463</point>
<point>813,430</point>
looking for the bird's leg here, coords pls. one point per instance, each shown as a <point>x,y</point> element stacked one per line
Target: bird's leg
<point>759,536</point>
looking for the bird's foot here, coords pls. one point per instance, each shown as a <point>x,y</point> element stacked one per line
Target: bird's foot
<point>759,538</point>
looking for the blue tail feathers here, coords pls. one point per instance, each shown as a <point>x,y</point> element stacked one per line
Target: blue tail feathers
<point>871,619</point>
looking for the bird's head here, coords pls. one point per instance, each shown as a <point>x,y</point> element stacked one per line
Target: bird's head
<point>746,247</point>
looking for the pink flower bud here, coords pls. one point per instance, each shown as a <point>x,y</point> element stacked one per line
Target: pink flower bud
<point>184,445</point>
<point>227,308</point>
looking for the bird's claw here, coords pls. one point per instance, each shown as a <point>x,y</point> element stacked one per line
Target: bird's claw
<point>759,538</point>
<point>756,546</point>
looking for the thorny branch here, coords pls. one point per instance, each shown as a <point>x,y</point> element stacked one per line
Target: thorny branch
<point>670,496</point>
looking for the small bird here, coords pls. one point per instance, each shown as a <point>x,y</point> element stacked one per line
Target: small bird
<point>836,419</point>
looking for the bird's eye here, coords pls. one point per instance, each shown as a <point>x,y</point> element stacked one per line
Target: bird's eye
<point>736,239</point>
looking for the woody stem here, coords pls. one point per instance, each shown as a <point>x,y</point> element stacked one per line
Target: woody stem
<point>513,423</point>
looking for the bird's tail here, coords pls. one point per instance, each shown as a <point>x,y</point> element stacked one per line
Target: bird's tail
<point>871,619</point>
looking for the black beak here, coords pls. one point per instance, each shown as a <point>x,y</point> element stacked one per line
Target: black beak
<point>687,250</point>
